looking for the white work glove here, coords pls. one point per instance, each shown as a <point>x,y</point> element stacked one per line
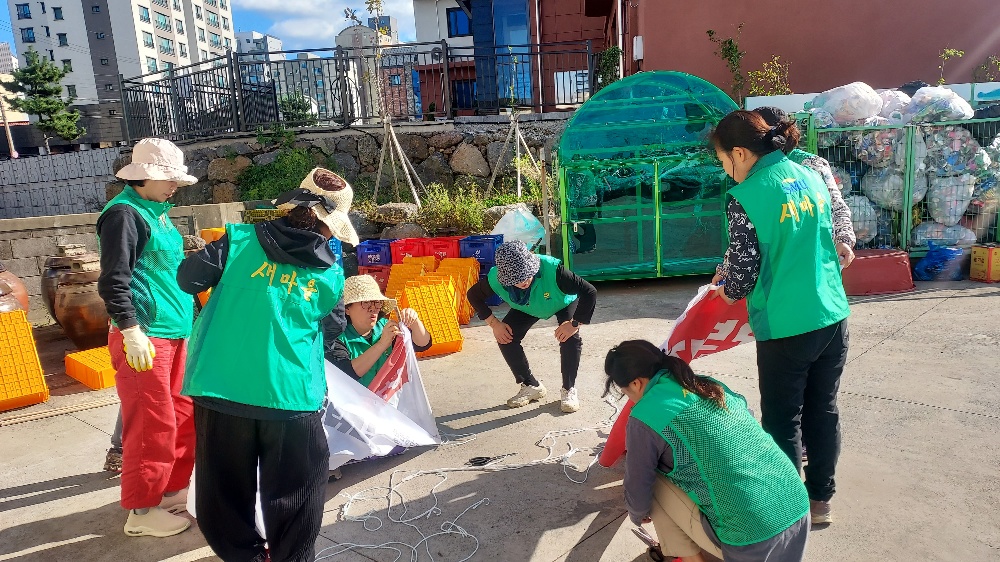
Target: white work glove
<point>139,351</point>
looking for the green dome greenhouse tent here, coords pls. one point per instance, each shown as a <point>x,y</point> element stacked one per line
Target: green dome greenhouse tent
<point>641,192</point>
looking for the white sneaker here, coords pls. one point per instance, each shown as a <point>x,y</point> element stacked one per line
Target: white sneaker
<point>175,504</point>
<point>156,523</point>
<point>526,395</point>
<point>570,401</point>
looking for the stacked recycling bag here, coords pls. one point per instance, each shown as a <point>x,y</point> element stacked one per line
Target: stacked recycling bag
<point>956,168</point>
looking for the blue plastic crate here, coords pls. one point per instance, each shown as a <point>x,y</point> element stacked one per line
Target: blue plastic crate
<point>375,253</point>
<point>483,248</point>
<point>495,300</point>
<point>338,250</point>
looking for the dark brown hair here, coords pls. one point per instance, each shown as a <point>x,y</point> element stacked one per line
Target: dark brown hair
<point>303,218</point>
<point>747,129</point>
<point>635,359</point>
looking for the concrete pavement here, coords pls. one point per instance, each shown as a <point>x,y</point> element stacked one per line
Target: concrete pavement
<point>917,477</point>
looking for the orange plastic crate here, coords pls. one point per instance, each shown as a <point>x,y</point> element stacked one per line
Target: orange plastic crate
<point>435,279</point>
<point>463,279</point>
<point>429,262</point>
<point>22,382</point>
<point>435,306</point>
<point>92,367</point>
<point>210,235</point>
<point>399,274</point>
<point>461,262</point>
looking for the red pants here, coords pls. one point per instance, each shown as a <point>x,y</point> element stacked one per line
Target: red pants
<point>157,423</point>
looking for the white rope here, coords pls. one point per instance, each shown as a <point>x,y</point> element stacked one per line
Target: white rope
<point>372,522</point>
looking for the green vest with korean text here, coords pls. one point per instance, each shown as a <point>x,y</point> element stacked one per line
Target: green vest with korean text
<point>162,309</point>
<point>799,288</point>
<point>545,298</point>
<point>357,344</point>
<point>724,461</point>
<point>258,341</point>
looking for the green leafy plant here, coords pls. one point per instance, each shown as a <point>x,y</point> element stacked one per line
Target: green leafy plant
<point>945,55</point>
<point>771,79</point>
<point>37,91</point>
<point>277,135</point>
<point>608,65</point>
<point>728,50</point>
<point>270,180</point>
<point>989,71</point>
<point>457,211</point>
<point>296,110</point>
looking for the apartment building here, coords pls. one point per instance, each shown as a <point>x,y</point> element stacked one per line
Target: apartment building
<point>8,62</point>
<point>443,19</point>
<point>256,51</point>
<point>96,40</point>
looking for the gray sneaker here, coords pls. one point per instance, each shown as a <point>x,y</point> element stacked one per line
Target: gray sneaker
<point>820,512</point>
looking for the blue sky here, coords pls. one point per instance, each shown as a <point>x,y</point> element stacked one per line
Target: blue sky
<point>301,24</point>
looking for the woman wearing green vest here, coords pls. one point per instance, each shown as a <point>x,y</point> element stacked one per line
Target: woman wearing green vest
<point>367,341</point>
<point>150,322</point>
<point>256,372</point>
<point>700,467</point>
<point>783,260</point>
<point>536,288</point>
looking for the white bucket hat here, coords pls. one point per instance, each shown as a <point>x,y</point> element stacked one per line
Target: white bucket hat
<point>157,159</point>
<point>362,288</point>
<point>334,189</point>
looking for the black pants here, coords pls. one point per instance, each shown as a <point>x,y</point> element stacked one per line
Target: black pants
<point>294,459</point>
<point>569,350</point>
<point>799,379</point>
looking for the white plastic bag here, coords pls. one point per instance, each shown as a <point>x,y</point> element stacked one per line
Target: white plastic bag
<point>948,198</point>
<point>935,103</point>
<point>520,224</point>
<point>952,151</point>
<point>885,187</point>
<point>864,216</point>
<point>946,235</point>
<point>894,104</point>
<point>842,177</point>
<point>850,104</point>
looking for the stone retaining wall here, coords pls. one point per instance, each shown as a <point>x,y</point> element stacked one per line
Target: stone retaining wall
<point>26,243</point>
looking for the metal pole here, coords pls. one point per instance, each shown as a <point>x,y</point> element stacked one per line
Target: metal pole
<point>121,90</point>
<point>236,89</point>
<point>590,70</point>
<point>546,220</point>
<point>6,126</point>
<point>178,128</point>
<point>446,80</point>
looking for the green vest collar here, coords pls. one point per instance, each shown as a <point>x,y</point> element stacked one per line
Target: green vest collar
<point>152,206</point>
<point>765,161</point>
<point>652,382</point>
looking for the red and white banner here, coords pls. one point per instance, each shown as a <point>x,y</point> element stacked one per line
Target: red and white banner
<point>708,325</point>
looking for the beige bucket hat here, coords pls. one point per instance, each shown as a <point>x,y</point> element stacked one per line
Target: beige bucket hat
<point>362,288</point>
<point>157,159</point>
<point>334,189</point>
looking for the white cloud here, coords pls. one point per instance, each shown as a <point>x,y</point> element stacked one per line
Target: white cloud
<point>304,24</point>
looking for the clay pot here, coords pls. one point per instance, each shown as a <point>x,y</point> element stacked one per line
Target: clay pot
<point>80,310</point>
<point>15,285</point>
<point>54,267</point>
<point>8,302</point>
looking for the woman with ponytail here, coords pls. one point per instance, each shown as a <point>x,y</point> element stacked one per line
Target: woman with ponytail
<point>700,468</point>
<point>782,258</point>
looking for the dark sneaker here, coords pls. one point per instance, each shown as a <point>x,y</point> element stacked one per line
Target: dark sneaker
<point>113,462</point>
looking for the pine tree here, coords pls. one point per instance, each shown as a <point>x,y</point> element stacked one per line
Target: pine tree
<point>39,82</point>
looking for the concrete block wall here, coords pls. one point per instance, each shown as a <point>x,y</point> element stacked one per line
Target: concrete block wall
<point>25,243</point>
<point>58,184</point>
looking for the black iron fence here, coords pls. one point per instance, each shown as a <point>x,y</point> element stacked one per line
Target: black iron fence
<point>241,92</point>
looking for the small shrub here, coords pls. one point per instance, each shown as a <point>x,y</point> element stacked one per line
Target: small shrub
<point>271,180</point>
<point>458,211</point>
<point>771,79</point>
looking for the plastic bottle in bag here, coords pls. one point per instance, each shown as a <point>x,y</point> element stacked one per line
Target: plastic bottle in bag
<point>850,103</point>
<point>894,103</point>
<point>886,186</point>
<point>877,148</point>
<point>952,151</point>
<point>948,198</point>
<point>864,216</point>
<point>935,103</point>
<point>842,178</point>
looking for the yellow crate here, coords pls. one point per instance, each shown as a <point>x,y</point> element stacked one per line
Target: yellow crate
<point>434,305</point>
<point>399,274</point>
<point>985,263</point>
<point>429,262</point>
<point>92,367</point>
<point>22,382</point>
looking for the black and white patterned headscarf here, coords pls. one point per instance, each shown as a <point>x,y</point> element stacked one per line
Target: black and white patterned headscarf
<point>515,263</point>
